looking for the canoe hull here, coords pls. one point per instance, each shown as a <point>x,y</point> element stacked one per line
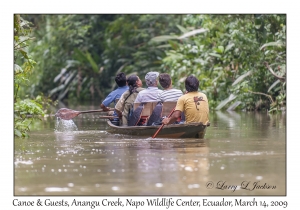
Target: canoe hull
<point>192,130</point>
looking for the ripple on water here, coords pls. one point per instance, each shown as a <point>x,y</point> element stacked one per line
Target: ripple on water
<point>158,184</point>
<point>57,189</point>
<point>29,162</point>
<point>115,188</point>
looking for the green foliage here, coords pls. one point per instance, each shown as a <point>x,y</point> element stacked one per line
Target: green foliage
<point>79,55</point>
<point>228,58</point>
<point>25,110</point>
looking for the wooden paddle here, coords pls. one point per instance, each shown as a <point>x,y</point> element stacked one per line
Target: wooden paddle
<point>163,124</point>
<point>67,114</point>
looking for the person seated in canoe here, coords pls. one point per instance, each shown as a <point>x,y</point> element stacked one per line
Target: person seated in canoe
<point>194,104</point>
<point>151,92</point>
<point>115,95</point>
<point>145,96</point>
<point>169,93</point>
<point>125,103</point>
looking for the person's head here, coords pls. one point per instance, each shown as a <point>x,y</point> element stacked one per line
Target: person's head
<point>151,79</point>
<point>133,82</point>
<point>120,79</point>
<point>165,80</point>
<point>191,84</point>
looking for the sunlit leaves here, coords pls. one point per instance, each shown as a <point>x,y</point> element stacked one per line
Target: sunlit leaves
<point>92,62</point>
<point>273,85</point>
<point>163,38</point>
<point>182,29</point>
<point>26,110</point>
<point>276,44</point>
<point>219,49</point>
<point>215,55</point>
<point>229,46</point>
<point>241,78</point>
<point>192,33</point>
<point>17,69</point>
<point>225,53</point>
<point>226,101</point>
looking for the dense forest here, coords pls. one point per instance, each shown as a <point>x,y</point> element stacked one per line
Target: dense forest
<point>240,60</point>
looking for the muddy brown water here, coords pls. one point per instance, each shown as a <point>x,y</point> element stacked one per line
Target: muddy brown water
<point>242,154</point>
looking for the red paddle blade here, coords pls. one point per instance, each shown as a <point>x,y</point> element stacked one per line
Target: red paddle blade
<point>66,114</point>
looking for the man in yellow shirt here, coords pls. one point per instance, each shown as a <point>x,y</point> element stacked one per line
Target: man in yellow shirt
<point>194,104</point>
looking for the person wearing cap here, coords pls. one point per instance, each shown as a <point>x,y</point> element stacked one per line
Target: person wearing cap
<point>169,93</point>
<point>151,92</point>
<point>194,104</point>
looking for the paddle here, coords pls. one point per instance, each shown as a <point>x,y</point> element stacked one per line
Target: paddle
<point>163,124</point>
<point>67,114</point>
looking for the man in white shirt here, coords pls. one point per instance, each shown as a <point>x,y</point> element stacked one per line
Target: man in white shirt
<point>169,93</point>
<point>150,93</point>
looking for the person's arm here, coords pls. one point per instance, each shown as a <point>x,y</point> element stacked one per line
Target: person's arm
<point>173,118</point>
<point>104,107</point>
<point>119,113</point>
<point>177,113</point>
<point>107,101</point>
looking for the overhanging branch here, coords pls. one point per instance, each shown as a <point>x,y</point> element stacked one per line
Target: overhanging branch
<point>274,74</point>
<point>259,93</point>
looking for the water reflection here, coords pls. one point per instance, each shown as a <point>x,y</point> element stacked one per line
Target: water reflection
<point>89,161</point>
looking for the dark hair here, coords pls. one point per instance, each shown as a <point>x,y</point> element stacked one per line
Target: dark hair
<point>120,79</point>
<point>164,80</point>
<point>191,84</point>
<point>131,82</point>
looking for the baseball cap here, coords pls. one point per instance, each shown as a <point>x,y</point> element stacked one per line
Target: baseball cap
<point>151,78</point>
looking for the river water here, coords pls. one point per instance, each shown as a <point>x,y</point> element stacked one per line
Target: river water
<point>243,153</point>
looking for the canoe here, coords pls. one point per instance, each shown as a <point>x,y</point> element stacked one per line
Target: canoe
<point>191,130</point>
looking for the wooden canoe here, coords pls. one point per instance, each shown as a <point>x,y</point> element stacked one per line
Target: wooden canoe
<point>191,130</point>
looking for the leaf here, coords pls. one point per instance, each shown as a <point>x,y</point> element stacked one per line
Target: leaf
<point>218,68</point>
<point>192,33</point>
<point>60,74</point>
<point>220,49</point>
<point>228,47</point>
<point>182,29</point>
<point>92,62</point>
<point>164,46</point>
<point>277,44</point>
<point>79,55</point>
<point>18,69</point>
<point>173,44</point>
<point>234,105</point>
<point>273,85</point>
<point>215,55</point>
<point>18,133</point>
<point>240,78</point>
<point>163,38</point>
<point>56,89</point>
<point>226,101</point>
<point>62,95</point>
<point>24,53</point>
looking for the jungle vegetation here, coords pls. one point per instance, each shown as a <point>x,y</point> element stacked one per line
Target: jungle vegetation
<point>239,59</point>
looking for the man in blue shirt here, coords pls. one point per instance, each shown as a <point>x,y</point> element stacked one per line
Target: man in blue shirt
<point>149,94</point>
<point>116,94</point>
